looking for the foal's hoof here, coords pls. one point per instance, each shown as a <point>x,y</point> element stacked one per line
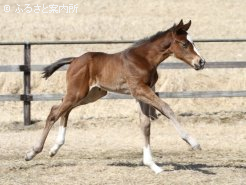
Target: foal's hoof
<point>27,158</point>
<point>52,154</point>
<point>53,151</point>
<point>158,170</point>
<point>154,167</point>
<point>30,155</point>
<point>197,147</point>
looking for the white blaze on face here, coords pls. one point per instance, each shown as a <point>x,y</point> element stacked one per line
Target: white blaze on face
<point>194,47</point>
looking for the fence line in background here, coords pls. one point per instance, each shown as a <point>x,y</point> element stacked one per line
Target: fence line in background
<point>165,65</point>
<point>106,42</point>
<point>183,94</point>
<point>27,68</point>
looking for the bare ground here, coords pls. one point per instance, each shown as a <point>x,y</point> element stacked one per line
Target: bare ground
<point>125,20</point>
<point>108,151</point>
<point>104,142</point>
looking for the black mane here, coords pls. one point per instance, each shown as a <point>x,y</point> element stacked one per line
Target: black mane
<point>152,38</point>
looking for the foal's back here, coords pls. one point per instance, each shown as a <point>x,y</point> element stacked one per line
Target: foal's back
<point>100,69</point>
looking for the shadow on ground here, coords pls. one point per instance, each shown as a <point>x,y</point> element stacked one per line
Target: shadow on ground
<point>202,168</point>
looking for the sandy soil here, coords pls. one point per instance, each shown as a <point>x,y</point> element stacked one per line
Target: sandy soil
<point>96,153</point>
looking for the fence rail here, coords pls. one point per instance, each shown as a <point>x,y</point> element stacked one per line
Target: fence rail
<point>27,68</point>
<point>107,42</point>
<point>167,65</point>
<point>183,94</point>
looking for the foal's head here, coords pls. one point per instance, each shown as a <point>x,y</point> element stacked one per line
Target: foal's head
<point>182,46</point>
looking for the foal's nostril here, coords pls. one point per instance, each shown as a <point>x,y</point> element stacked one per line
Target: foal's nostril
<point>202,62</point>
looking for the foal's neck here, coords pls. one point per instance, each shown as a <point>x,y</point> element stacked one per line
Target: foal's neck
<point>158,50</point>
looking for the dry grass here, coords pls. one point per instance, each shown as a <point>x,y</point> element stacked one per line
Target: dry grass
<point>95,151</point>
<point>109,20</point>
<point>108,151</point>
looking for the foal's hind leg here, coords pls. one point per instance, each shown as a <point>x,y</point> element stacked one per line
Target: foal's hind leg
<point>61,135</point>
<point>94,94</point>
<point>55,113</point>
<point>144,115</point>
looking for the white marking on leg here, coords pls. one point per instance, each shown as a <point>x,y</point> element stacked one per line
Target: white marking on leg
<point>148,161</point>
<point>59,141</point>
<point>184,135</point>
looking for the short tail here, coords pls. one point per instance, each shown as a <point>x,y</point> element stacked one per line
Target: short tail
<point>50,69</point>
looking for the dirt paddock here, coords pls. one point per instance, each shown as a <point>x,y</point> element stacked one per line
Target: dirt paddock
<point>104,142</point>
<point>108,151</point>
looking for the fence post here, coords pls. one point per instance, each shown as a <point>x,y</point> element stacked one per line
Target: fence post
<point>27,84</point>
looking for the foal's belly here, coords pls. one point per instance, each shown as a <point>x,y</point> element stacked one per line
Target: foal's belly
<point>117,87</point>
<point>121,90</point>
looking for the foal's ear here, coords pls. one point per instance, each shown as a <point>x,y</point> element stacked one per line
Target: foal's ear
<point>181,23</point>
<point>186,26</point>
<point>179,26</point>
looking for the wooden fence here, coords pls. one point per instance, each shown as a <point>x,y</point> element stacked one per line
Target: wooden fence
<point>27,68</point>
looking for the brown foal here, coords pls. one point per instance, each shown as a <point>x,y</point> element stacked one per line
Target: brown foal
<point>132,71</point>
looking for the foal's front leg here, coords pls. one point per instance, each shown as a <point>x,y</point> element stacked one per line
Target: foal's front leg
<point>145,94</point>
<point>144,116</point>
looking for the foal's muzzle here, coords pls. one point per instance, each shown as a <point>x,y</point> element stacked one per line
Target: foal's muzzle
<point>200,65</point>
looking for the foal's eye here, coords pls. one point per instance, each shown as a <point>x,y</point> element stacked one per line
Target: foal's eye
<point>185,45</point>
